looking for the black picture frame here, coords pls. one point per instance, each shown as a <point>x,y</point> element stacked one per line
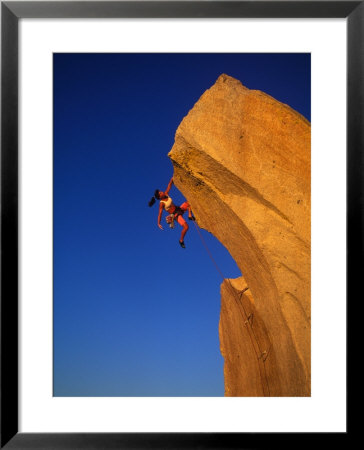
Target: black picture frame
<point>11,12</point>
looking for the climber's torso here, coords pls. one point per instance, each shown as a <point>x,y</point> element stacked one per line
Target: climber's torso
<point>168,204</point>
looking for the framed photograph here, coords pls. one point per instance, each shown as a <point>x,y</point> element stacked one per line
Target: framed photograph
<point>181,190</point>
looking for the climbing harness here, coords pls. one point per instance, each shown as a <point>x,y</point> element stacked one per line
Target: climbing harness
<point>174,215</point>
<point>248,321</point>
<point>170,220</point>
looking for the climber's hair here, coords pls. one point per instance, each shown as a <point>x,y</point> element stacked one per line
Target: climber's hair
<point>153,199</point>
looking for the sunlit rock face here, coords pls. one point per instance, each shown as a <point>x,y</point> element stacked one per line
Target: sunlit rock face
<point>242,159</point>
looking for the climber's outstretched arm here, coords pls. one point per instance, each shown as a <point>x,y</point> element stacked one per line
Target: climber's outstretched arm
<point>169,186</point>
<point>160,216</point>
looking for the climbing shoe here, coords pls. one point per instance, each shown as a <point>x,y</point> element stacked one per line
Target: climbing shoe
<point>191,218</point>
<point>182,244</point>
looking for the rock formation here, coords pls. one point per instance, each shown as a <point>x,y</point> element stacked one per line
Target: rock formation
<point>242,159</point>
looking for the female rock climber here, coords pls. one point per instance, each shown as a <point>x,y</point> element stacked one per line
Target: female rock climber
<point>175,212</point>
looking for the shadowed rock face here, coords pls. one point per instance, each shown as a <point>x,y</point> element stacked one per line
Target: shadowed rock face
<point>242,159</point>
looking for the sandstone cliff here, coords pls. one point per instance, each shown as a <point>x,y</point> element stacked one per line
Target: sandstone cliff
<point>242,159</point>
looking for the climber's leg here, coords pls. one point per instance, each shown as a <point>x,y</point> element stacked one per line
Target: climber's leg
<point>184,226</point>
<point>186,207</point>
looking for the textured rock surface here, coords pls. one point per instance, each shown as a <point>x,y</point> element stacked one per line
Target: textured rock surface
<point>242,159</point>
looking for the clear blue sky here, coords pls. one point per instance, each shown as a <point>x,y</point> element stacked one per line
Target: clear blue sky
<point>134,313</point>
